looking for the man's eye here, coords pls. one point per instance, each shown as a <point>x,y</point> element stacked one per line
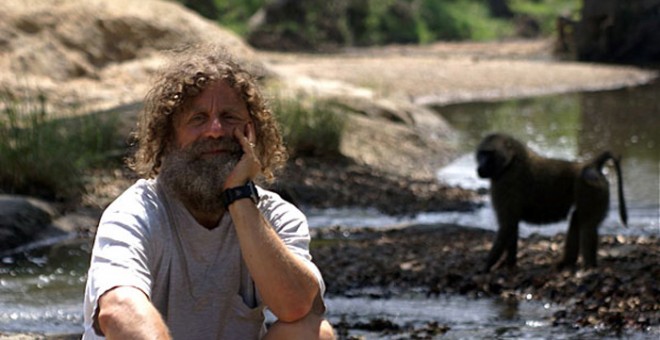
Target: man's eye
<point>197,118</point>
<point>232,118</point>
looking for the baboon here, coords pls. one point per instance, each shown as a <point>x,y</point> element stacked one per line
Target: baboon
<point>525,186</point>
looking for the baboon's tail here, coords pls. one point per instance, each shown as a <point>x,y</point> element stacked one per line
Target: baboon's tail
<point>600,162</point>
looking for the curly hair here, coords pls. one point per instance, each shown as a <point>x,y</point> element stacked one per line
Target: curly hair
<point>188,73</point>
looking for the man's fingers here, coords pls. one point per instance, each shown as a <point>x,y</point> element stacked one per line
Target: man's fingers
<point>250,134</point>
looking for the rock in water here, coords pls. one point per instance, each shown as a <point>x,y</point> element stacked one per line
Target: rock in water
<point>22,220</point>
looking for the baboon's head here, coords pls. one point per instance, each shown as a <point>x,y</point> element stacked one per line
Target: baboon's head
<point>494,154</point>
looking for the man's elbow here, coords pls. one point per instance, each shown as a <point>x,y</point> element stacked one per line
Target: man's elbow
<point>294,311</point>
<point>112,306</point>
<point>300,307</point>
<point>122,306</point>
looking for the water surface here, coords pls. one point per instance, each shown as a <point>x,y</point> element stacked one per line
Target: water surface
<point>42,294</point>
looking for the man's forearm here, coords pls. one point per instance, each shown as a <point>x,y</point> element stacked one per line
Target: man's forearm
<point>287,286</point>
<point>126,313</point>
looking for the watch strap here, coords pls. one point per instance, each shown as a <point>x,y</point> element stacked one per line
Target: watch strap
<point>249,190</point>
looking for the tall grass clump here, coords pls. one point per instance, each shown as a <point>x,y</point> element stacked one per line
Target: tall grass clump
<point>46,157</point>
<point>309,127</point>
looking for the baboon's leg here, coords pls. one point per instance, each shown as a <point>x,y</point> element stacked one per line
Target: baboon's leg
<point>591,206</point>
<point>512,247</point>
<point>496,250</point>
<point>590,218</point>
<point>589,243</point>
<point>572,243</point>
<point>507,234</point>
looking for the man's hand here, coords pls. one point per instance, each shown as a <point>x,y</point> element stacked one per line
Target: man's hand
<point>249,166</point>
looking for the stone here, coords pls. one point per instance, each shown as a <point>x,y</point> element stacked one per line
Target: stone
<point>97,54</point>
<point>23,220</point>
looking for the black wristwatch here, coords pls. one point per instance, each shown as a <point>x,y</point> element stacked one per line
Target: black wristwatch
<point>249,190</point>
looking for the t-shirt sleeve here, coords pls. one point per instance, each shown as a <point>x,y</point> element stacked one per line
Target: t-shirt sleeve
<point>291,225</point>
<point>119,258</point>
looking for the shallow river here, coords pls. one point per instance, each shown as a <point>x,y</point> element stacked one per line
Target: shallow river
<point>43,292</point>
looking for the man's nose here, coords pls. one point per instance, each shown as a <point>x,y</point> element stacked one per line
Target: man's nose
<point>215,129</point>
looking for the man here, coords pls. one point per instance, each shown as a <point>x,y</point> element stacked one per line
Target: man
<point>196,250</point>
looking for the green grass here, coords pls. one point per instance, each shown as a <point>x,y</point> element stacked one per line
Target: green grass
<point>46,157</point>
<point>310,126</point>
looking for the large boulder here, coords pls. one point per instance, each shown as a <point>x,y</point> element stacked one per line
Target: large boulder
<point>96,54</point>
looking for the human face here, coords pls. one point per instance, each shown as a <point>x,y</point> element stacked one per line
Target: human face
<point>214,114</point>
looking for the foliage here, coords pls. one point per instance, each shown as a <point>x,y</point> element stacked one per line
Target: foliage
<point>236,13</point>
<point>380,22</point>
<point>376,22</point>
<point>545,12</point>
<point>47,157</point>
<point>309,127</point>
<point>463,20</point>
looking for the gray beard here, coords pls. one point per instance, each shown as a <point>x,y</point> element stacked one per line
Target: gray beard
<point>197,182</point>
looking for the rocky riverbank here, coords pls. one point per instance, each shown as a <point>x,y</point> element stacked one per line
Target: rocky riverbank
<point>620,296</point>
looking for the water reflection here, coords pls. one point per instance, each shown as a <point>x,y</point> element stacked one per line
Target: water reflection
<point>627,122</point>
<point>465,317</point>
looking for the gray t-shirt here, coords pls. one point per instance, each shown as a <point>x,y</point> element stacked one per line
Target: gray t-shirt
<point>195,277</point>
